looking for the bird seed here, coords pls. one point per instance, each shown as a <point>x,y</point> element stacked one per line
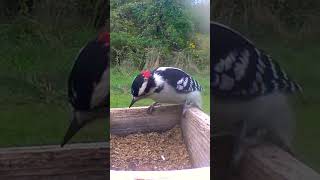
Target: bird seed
<point>150,151</point>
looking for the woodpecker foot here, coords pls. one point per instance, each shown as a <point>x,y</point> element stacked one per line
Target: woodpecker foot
<point>151,108</point>
<point>184,112</point>
<point>186,106</point>
<point>245,139</point>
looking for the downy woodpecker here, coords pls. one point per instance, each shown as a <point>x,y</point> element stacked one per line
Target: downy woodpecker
<point>250,93</point>
<point>167,85</point>
<point>88,84</point>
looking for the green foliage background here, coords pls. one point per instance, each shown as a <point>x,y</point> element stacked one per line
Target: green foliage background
<point>144,31</point>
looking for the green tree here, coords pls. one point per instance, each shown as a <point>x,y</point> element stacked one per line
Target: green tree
<point>167,21</point>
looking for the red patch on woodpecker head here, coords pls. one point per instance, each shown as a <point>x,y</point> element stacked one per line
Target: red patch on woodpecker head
<point>146,74</point>
<point>104,37</point>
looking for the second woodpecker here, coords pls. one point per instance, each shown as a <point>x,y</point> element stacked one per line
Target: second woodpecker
<point>250,92</point>
<point>88,84</point>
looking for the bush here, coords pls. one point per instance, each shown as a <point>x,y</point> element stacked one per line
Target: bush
<point>149,33</point>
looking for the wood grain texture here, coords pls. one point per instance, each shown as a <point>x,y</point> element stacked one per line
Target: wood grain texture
<point>74,161</point>
<point>269,162</point>
<point>196,131</point>
<point>125,121</point>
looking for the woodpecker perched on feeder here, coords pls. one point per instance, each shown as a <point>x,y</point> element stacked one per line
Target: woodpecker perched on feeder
<point>250,93</point>
<point>167,85</point>
<point>88,84</point>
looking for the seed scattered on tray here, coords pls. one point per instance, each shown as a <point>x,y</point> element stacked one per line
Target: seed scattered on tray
<point>149,151</point>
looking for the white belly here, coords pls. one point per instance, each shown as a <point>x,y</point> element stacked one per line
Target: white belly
<point>170,96</point>
<point>271,112</point>
<point>101,90</point>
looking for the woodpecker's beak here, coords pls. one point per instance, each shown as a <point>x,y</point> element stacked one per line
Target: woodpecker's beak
<point>134,99</point>
<point>72,130</point>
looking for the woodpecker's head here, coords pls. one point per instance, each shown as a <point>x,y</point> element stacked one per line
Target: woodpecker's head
<point>142,86</point>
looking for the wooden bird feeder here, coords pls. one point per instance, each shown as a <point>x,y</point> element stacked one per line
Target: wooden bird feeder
<point>90,160</point>
<point>195,126</point>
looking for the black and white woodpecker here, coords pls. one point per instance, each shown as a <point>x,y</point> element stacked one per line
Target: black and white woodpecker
<point>167,85</point>
<point>88,84</point>
<point>250,93</point>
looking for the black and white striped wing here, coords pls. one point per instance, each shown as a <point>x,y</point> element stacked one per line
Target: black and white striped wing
<point>181,81</point>
<point>240,69</point>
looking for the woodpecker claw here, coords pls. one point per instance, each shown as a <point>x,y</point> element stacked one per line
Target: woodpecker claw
<point>151,108</point>
<point>186,106</point>
<point>184,112</point>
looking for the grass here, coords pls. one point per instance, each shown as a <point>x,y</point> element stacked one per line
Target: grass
<point>39,124</point>
<point>121,80</point>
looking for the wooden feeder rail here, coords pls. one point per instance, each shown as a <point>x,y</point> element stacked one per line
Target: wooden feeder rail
<point>90,160</point>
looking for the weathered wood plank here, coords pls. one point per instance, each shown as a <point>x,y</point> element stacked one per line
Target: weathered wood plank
<point>196,131</point>
<point>269,162</point>
<point>197,173</point>
<point>124,121</point>
<point>74,161</point>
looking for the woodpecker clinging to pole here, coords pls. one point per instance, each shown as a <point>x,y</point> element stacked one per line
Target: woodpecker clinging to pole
<point>167,85</point>
<point>88,84</point>
<point>250,93</point>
